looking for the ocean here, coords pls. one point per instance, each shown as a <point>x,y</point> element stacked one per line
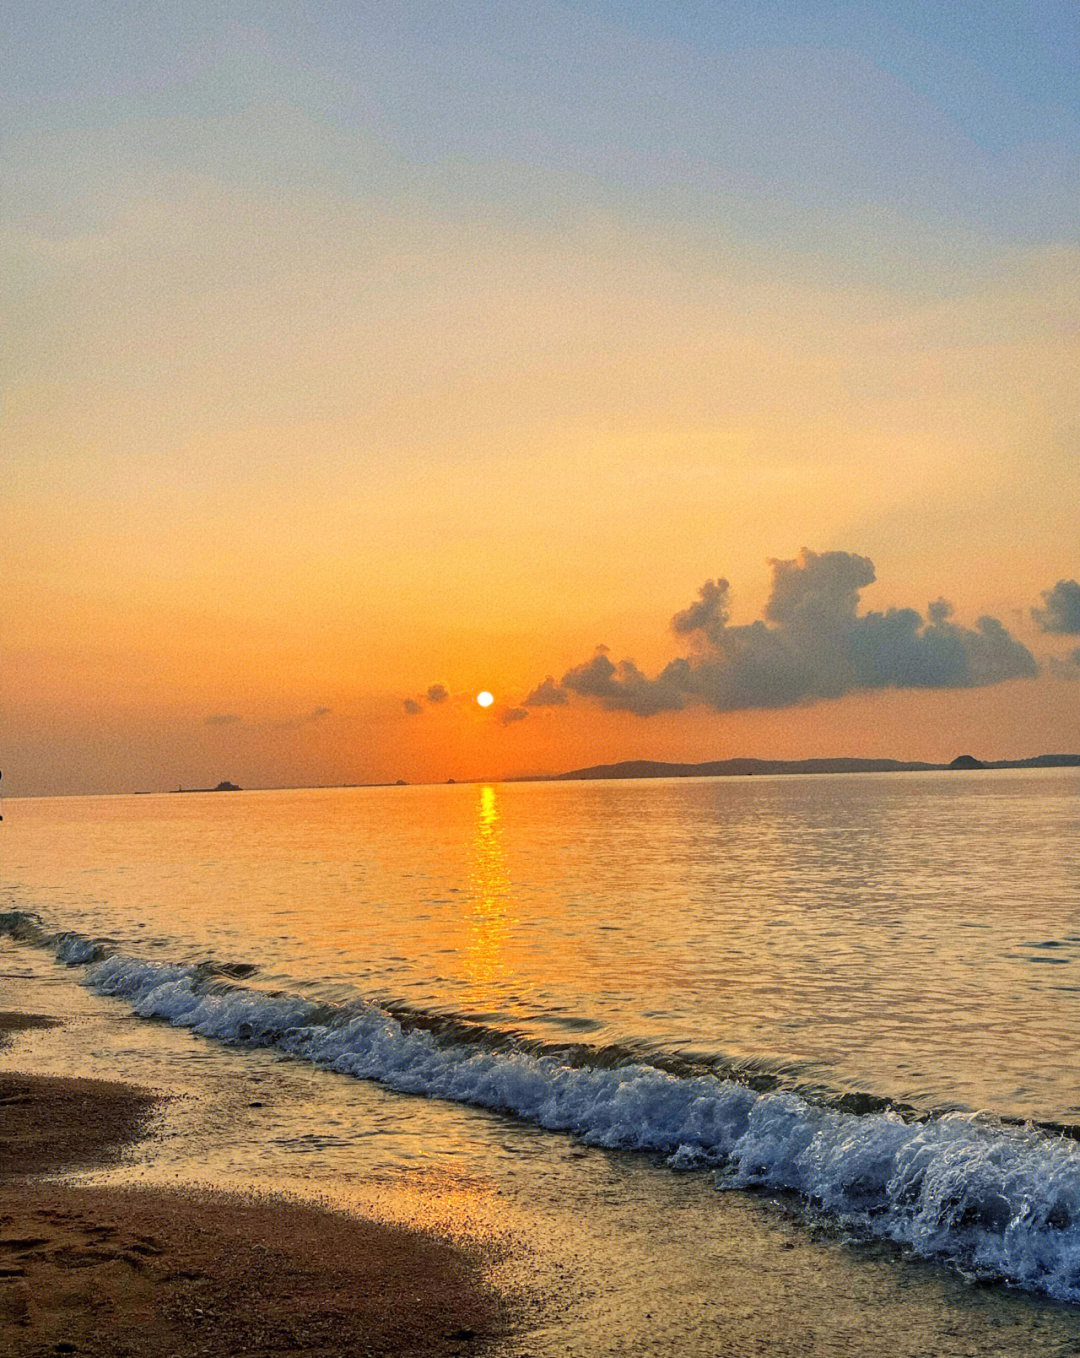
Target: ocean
<point>649,1033</point>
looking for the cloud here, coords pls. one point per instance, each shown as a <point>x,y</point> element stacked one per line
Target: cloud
<point>624,687</point>
<point>293,723</point>
<point>288,724</point>
<point>513,714</point>
<point>1062,612</point>
<point>546,694</point>
<point>812,643</point>
<point>435,694</point>
<point>1069,668</point>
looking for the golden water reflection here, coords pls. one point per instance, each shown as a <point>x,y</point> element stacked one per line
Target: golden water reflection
<point>490,908</point>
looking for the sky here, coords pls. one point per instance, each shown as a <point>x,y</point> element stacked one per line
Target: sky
<point>698,379</point>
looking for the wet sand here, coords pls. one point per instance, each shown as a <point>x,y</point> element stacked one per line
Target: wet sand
<point>150,1273</point>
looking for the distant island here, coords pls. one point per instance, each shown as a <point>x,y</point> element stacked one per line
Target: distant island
<point>221,787</point>
<point>735,768</point>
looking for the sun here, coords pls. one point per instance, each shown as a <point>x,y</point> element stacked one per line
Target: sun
<point>485,699</point>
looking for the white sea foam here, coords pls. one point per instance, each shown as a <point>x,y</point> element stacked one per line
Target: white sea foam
<point>994,1200</point>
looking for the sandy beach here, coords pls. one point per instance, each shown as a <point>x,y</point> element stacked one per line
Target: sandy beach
<point>146,1272</point>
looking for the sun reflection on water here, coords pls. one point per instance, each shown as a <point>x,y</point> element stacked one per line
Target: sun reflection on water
<point>489,922</point>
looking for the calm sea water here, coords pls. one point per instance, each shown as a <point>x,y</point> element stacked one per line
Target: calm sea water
<point>639,964</point>
<point>915,937</point>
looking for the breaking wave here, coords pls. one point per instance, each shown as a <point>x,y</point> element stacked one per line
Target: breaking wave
<point>995,1200</point>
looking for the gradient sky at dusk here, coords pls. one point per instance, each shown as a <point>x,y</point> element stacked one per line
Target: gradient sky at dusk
<point>356,349</point>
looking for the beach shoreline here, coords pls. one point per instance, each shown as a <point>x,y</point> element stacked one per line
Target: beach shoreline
<point>593,1253</point>
<point>151,1272</point>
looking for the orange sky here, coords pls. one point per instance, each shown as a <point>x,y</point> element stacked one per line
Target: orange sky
<point>321,390</point>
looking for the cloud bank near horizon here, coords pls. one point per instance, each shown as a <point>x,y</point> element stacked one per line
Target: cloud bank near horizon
<point>811,644</point>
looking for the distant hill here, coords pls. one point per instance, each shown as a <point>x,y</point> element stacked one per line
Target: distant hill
<point>734,768</point>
